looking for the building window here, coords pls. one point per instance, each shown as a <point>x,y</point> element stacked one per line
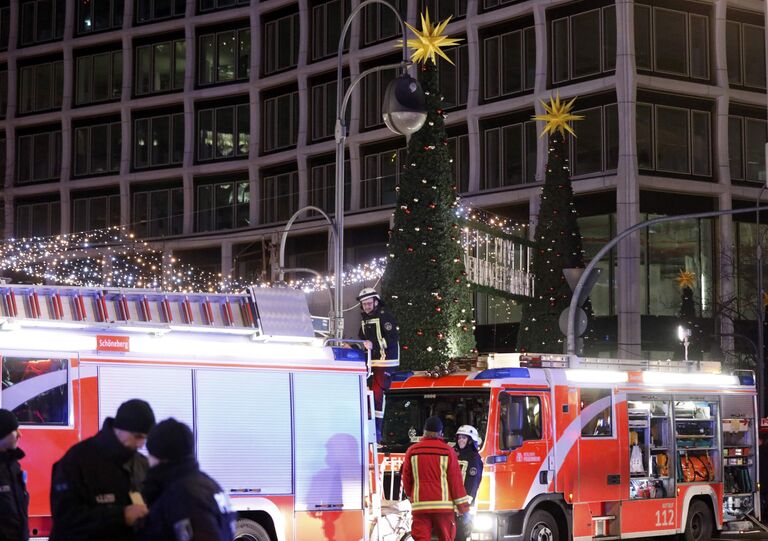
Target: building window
<point>41,87</point>
<point>491,4</point>
<point>596,148</point>
<point>97,212</point>
<point>38,156</point>
<point>327,21</point>
<point>223,205</point>
<point>41,20</point>
<point>158,213</point>
<point>374,89</point>
<point>745,48</point>
<point>279,197</point>
<point>97,149</point>
<point>509,63</point>
<point>98,15</point>
<point>3,90</point>
<point>381,176</point>
<point>458,147</point>
<point>454,77</point>
<point>224,56</point>
<point>5,25</point>
<point>155,10</point>
<point>158,141</point>
<point>672,42</point>
<point>509,155</point>
<point>99,77</point>
<point>584,44</point>
<point>223,132</point>
<point>160,67</point>
<point>442,9</point>
<point>281,121</point>
<point>323,108</point>
<point>322,186</point>
<point>746,148</point>
<point>3,163</point>
<point>673,139</point>
<point>210,5</point>
<point>37,219</point>
<point>381,24</point>
<point>281,43</point>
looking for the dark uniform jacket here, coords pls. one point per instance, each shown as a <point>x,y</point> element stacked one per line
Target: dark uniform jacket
<point>380,328</point>
<point>471,468</point>
<point>90,489</point>
<point>185,505</point>
<point>14,499</point>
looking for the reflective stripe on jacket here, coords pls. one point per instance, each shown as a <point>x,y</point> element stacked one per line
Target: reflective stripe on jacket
<point>380,328</point>
<point>431,478</point>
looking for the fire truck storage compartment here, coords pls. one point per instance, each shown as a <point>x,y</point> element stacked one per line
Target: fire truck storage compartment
<point>650,448</point>
<point>739,464</point>
<point>697,439</point>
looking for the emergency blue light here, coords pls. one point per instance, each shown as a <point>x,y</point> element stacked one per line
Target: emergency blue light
<point>402,375</point>
<point>499,373</point>
<point>747,379</point>
<point>349,354</point>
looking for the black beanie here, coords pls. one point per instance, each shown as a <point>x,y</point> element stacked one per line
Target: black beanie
<point>433,424</point>
<point>134,416</point>
<point>171,440</point>
<point>8,422</point>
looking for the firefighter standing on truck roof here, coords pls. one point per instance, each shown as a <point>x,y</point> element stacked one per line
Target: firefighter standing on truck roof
<point>431,478</point>
<point>379,329</point>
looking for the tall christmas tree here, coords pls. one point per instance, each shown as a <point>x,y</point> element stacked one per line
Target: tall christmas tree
<point>558,239</point>
<point>425,283</point>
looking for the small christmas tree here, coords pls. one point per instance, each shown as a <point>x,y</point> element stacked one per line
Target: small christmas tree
<point>425,283</point>
<point>558,240</point>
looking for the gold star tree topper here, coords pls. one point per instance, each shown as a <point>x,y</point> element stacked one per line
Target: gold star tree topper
<point>685,279</point>
<point>429,41</point>
<point>558,116</point>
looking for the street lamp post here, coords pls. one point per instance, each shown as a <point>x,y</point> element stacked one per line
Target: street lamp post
<point>404,113</point>
<point>760,310</point>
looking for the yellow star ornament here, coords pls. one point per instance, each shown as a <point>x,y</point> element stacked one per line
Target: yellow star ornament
<point>558,116</point>
<point>685,279</point>
<point>429,41</point>
<point>765,298</point>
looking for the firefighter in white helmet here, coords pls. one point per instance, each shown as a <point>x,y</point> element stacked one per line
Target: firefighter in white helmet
<point>379,329</point>
<point>468,443</point>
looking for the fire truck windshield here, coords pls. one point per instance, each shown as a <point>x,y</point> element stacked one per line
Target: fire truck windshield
<point>407,410</point>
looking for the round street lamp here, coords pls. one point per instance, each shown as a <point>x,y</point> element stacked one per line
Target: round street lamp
<point>404,109</point>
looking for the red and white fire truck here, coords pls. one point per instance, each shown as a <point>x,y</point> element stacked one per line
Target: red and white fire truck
<point>606,450</point>
<point>280,420</point>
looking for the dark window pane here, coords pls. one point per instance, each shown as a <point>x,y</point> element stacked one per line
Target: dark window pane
<point>243,129</point>
<point>115,140</point>
<point>755,148</point>
<point>101,77</point>
<point>205,135</point>
<point>224,206</point>
<point>163,70</point>
<point>244,54</point>
<point>671,140</point>
<point>225,132</point>
<point>588,145</point>
<point>609,38</point>
<point>42,156</point>
<point>58,83</point>
<point>141,143</point>
<point>585,44</point>
<point>512,63</point>
<point>141,214</point>
<point>158,217</point>
<point>226,56</point>
<point>207,55</point>
<point>700,145</point>
<point>611,137</point>
<point>754,56</point>
<point>27,22</point>
<point>44,20</point>
<point>735,147</point>
<point>143,70</point>
<point>513,154</point>
<point>699,28</point>
<point>83,80</point>
<point>81,151</point>
<point>99,149</point>
<point>671,50</point>
<point>644,136</point>
<point>560,45</point>
<point>491,179</point>
<point>162,8</point>
<point>491,69</point>
<point>530,151</point>
<point>177,155</point>
<point>43,87</point>
<point>160,140</point>
<point>101,14</point>
<point>530,58</point>
<point>204,207</point>
<point>180,53</point>
<point>643,37</point>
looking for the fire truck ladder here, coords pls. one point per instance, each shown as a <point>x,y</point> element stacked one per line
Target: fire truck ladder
<point>262,313</point>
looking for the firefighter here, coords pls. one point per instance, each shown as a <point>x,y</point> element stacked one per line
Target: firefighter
<point>468,443</point>
<point>14,499</point>
<point>431,479</point>
<point>379,330</point>
<point>95,486</point>
<point>184,503</point>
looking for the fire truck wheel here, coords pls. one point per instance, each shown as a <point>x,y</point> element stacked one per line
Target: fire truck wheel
<point>248,530</point>
<point>698,527</point>
<point>541,527</point>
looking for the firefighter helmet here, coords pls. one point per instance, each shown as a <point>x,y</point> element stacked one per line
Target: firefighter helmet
<point>368,293</point>
<point>471,432</point>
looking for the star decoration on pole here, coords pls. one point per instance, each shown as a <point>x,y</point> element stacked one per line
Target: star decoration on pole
<point>685,279</point>
<point>558,116</point>
<point>430,40</point>
<point>765,298</point>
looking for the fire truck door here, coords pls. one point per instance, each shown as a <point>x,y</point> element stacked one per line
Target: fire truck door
<point>522,468</point>
<point>599,470</point>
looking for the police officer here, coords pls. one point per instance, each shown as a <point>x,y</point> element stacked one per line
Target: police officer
<point>468,443</point>
<point>379,329</point>
<point>14,499</point>
<point>184,503</point>
<point>95,487</point>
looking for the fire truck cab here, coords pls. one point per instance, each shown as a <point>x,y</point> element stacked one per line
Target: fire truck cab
<point>609,450</point>
<point>280,419</point>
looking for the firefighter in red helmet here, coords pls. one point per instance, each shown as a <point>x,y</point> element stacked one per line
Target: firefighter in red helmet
<point>379,329</point>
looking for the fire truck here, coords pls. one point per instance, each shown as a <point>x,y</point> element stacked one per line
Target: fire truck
<point>608,449</point>
<point>280,418</point>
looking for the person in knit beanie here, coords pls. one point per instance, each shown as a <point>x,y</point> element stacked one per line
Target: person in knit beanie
<point>184,503</point>
<point>96,486</point>
<point>14,499</point>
